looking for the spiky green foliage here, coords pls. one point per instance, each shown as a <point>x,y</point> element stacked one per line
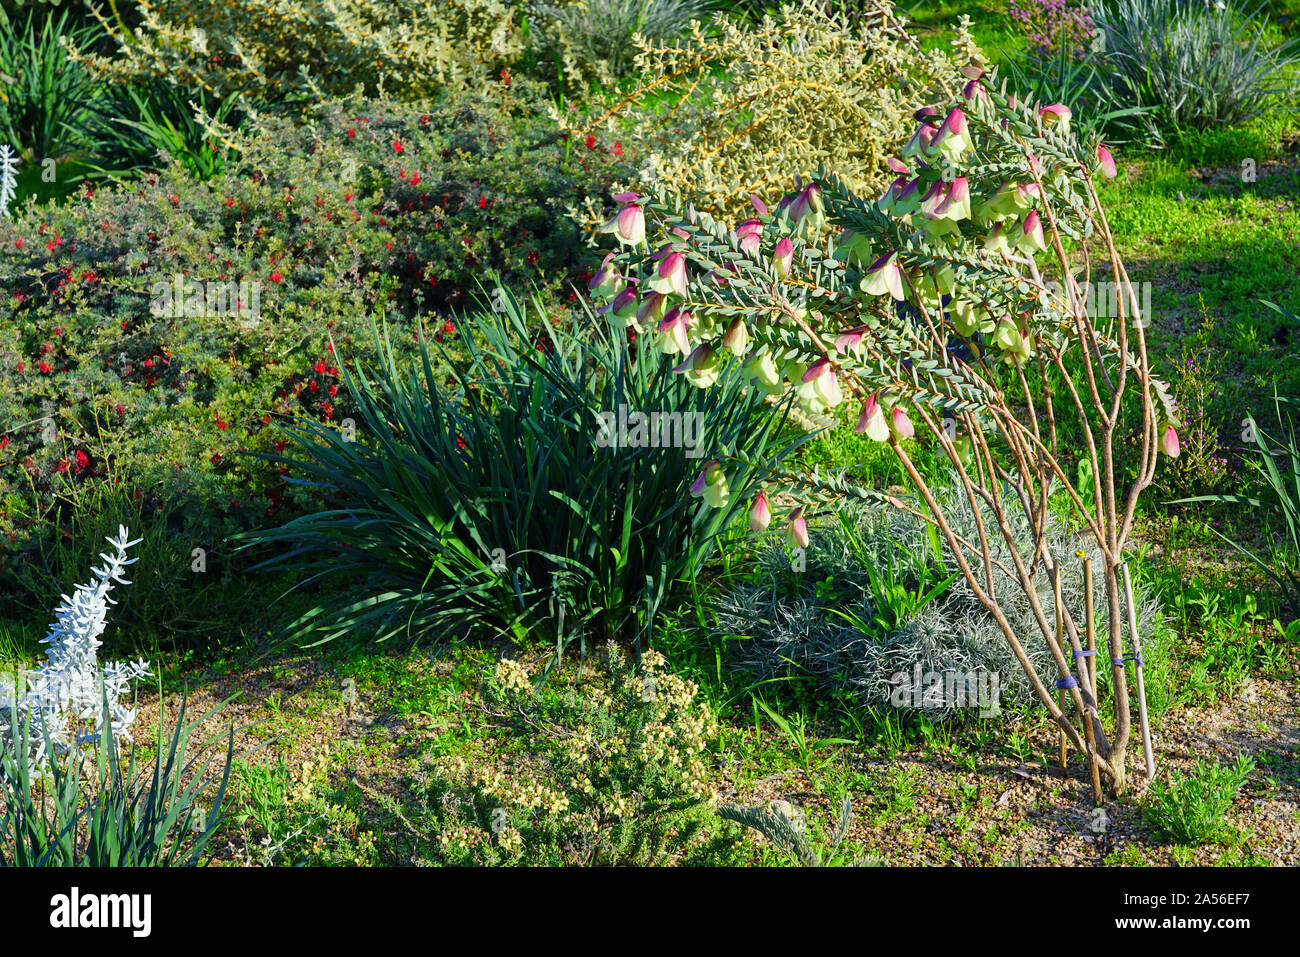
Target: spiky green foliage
<point>509,503</point>
<point>1191,63</point>
<point>113,817</point>
<point>786,826</point>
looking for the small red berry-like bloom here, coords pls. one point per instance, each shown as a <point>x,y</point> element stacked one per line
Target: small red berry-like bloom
<point>81,462</point>
<point>397,146</point>
<point>532,258</point>
<point>63,466</point>
<point>22,366</point>
<point>320,366</point>
<point>216,458</point>
<point>618,148</point>
<point>334,391</point>
<point>18,243</point>
<point>351,133</point>
<point>276,277</point>
<point>591,141</point>
<point>120,409</point>
<point>45,367</point>
<point>222,424</point>
<point>482,200</point>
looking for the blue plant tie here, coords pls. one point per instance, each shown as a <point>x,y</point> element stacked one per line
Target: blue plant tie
<point>1069,681</point>
<point>1137,658</point>
<point>1085,654</point>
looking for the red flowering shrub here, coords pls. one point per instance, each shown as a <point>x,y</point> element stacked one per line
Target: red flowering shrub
<point>105,371</point>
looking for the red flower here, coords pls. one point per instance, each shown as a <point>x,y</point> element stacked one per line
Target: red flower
<point>221,424</point>
<point>351,132</point>
<point>397,146</point>
<point>505,77</point>
<point>334,391</point>
<point>618,148</point>
<point>482,200</point>
<point>532,258</point>
<point>591,141</point>
<point>45,367</point>
<point>276,277</point>
<point>82,462</point>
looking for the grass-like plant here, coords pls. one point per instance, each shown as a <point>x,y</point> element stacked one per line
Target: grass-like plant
<point>1275,466</point>
<point>106,815</point>
<point>43,112</point>
<point>1195,64</point>
<point>787,828</point>
<point>1077,80</point>
<point>1190,808</point>
<point>507,502</point>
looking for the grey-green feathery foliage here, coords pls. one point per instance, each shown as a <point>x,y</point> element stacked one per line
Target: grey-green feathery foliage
<point>856,617</point>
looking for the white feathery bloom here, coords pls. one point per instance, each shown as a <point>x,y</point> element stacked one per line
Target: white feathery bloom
<point>66,695</point>
<point>8,177</point>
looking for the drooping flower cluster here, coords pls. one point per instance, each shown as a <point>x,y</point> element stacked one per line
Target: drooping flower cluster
<point>912,303</point>
<point>64,699</point>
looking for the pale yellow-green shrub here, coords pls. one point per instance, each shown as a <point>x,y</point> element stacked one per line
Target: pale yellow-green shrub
<point>277,51</point>
<point>737,108</point>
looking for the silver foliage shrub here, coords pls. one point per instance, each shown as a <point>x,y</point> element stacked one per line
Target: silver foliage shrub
<point>795,623</point>
<point>602,30</point>
<point>64,700</point>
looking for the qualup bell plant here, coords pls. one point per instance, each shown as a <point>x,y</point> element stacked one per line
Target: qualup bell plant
<point>949,311</point>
